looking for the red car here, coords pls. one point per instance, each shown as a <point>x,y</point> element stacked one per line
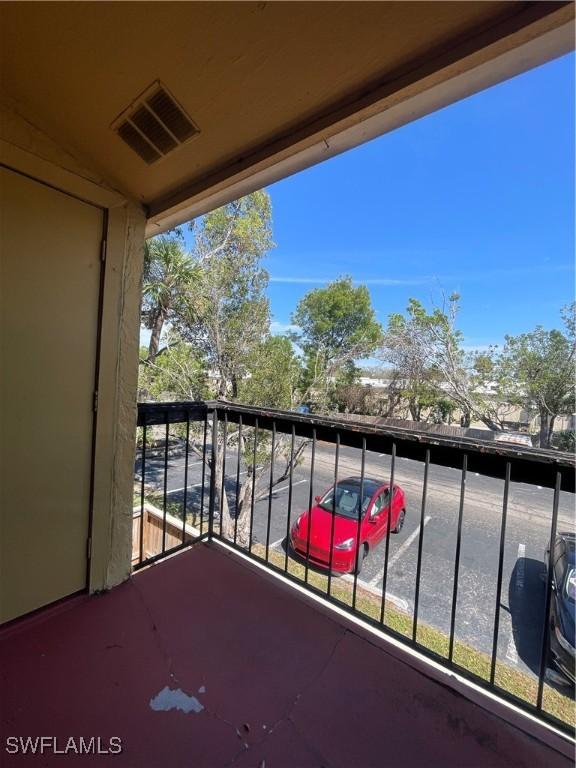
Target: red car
<point>372,510</point>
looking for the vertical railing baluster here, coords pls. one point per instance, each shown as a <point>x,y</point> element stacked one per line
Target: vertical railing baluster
<point>238,462</point>
<point>253,493</point>
<point>223,497</point>
<point>270,489</point>
<point>310,504</point>
<point>203,473</point>
<point>457,557</point>
<point>289,513</point>
<point>499,578</point>
<point>359,529</point>
<point>214,461</point>
<point>550,576</point>
<point>333,522</point>
<point>388,522</point>
<point>142,491</point>
<point>186,457</point>
<point>420,546</point>
<point>165,496</point>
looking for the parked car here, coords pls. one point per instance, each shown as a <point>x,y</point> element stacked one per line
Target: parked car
<point>337,516</point>
<point>562,607</point>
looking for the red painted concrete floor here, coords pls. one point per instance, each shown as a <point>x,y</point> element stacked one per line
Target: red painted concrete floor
<point>282,684</point>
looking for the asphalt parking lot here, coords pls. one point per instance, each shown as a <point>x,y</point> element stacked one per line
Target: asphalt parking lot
<point>527,534</point>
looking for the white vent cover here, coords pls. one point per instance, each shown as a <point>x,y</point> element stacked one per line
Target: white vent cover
<point>155,124</point>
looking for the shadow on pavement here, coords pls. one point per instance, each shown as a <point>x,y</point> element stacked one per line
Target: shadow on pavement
<point>526,598</point>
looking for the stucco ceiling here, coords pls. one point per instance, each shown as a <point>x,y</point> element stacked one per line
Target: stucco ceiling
<point>252,76</point>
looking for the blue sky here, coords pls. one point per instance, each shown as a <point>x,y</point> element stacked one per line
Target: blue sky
<point>477,198</point>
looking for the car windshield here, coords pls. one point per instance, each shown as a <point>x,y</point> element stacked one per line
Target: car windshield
<point>571,585</point>
<point>347,498</point>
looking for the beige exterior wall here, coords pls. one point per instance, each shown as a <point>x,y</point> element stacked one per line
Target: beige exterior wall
<point>55,214</point>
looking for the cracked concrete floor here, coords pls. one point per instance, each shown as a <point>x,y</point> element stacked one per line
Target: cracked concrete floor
<point>279,683</point>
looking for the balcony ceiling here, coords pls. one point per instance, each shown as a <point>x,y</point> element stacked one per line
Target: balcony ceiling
<point>257,78</point>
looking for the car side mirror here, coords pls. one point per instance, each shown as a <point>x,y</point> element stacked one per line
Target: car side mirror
<point>317,499</point>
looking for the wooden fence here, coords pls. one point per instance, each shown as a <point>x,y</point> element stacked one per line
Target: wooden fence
<point>153,529</point>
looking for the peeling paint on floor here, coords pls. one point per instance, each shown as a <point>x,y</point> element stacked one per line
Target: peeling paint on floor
<point>175,698</point>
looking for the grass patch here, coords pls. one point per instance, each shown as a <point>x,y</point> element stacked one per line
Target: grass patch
<point>470,659</point>
<point>156,498</point>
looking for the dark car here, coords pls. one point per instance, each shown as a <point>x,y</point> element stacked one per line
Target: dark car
<point>562,629</point>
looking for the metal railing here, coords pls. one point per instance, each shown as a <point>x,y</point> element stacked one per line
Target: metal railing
<point>215,470</point>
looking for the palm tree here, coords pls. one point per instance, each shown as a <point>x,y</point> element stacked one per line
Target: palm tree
<point>167,269</point>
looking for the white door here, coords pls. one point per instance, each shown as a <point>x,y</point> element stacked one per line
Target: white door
<point>49,290</point>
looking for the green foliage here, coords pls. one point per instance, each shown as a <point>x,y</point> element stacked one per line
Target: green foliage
<point>225,312</point>
<point>274,373</point>
<point>442,410</point>
<point>345,394</point>
<point>565,440</point>
<point>348,375</point>
<point>337,326</point>
<point>350,398</point>
<point>427,340</point>
<point>537,371</point>
<point>177,373</point>
<point>426,349</point>
<point>168,269</point>
<point>240,229</point>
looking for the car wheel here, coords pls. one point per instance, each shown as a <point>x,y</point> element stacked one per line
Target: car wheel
<point>400,522</point>
<point>361,558</point>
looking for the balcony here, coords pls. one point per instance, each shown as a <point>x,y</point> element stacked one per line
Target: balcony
<point>281,681</point>
<point>227,648</point>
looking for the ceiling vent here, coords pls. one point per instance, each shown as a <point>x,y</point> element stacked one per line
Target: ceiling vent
<point>154,125</point>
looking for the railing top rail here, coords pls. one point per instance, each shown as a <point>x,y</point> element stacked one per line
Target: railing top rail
<point>171,413</point>
<point>529,465</point>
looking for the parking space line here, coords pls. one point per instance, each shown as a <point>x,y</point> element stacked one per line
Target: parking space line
<point>511,652</point>
<point>177,490</point>
<point>284,488</point>
<point>521,566</point>
<point>398,601</point>
<point>397,555</point>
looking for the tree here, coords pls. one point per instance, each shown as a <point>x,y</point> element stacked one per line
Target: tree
<point>352,398</point>
<point>220,321</point>
<point>224,312</point>
<point>214,300</point>
<point>273,379</point>
<point>426,349</point>
<point>337,325</point>
<point>168,269</point>
<point>565,440</point>
<point>176,372</point>
<point>537,371</point>
<point>274,375</point>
